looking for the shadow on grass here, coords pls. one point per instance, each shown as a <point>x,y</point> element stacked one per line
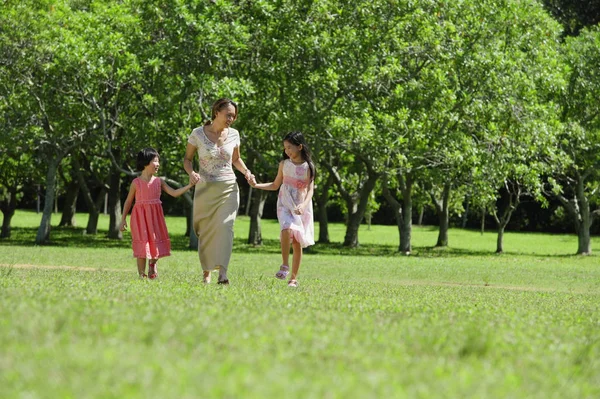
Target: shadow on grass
<point>75,237</point>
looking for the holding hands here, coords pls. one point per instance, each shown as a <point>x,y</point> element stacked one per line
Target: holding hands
<point>250,178</point>
<point>194,178</point>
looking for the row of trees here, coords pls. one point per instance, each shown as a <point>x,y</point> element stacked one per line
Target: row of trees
<point>457,102</point>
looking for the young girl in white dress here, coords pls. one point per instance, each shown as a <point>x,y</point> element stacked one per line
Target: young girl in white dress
<point>296,178</point>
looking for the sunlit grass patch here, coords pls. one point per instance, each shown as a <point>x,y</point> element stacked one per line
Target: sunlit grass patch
<point>365,323</point>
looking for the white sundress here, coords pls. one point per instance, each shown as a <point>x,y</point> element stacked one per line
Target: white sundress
<point>293,191</point>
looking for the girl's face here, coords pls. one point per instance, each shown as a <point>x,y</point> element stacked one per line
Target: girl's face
<point>293,151</point>
<point>226,115</point>
<point>153,166</point>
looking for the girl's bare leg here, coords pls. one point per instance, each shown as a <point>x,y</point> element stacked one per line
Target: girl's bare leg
<point>285,246</point>
<point>296,259</point>
<point>141,264</point>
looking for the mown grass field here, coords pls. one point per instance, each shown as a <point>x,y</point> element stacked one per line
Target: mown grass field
<point>460,322</point>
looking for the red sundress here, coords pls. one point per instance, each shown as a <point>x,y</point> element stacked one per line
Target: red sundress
<point>150,238</point>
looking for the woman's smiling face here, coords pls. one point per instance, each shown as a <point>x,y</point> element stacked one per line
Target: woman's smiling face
<point>227,115</point>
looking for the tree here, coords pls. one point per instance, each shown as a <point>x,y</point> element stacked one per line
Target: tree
<point>576,184</point>
<point>46,71</point>
<point>468,55</point>
<point>574,15</point>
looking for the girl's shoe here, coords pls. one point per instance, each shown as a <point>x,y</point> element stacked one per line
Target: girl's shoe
<point>153,272</point>
<point>293,283</point>
<point>283,272</point>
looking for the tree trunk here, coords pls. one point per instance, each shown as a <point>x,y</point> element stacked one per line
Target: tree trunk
<point>193,244</point>
<point>189,213</point>
<point>189,216</point>
<point>92,226</point>
<point>513,191</point>
<point>584,243</point>
<point>114,206</point>
<point>499,240</point>
<point>321,199</point>
<point>401,209</point>
<point>70,206</point>
<point>323,225</point>
<point>93,206</point>
<point>6,219</point>
<point>8,211</point>
<point>257,206</point>
<point>482,222</point>
<point>579,210</point>
<point>442,207</point>
<point>582,222</point>
<point>406,227</point>
<point>465,215</point>
<point>43,233</point>
<point>356,211</point>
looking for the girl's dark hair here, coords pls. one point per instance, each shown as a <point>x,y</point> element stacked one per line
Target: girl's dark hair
<point>220,105</point>
<point>297,138</point>
<point>144,158</point>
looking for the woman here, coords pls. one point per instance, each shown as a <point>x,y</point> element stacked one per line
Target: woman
<point>216,197</point>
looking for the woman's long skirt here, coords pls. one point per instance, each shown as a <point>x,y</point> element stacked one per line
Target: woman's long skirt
<point>215,209</point>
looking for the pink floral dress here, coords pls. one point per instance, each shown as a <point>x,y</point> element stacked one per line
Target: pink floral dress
<point>293,191</point>
<point>150,238</point>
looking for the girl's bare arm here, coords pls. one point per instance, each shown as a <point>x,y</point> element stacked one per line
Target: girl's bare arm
<point>275,184</point>
<point>175,192</point>
<point>127,206</point>
<point>309,194</point>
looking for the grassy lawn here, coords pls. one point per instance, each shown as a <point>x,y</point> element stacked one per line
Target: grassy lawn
<point>460,322</point>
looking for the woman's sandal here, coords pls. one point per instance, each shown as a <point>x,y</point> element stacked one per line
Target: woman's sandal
<point>223,282</point>
<point>143,276</point>
<point>153,272</point>
<point>293,283</point>
<point>283,272</point>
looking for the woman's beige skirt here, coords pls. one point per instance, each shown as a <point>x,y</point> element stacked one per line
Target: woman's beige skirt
<point>215,209</point>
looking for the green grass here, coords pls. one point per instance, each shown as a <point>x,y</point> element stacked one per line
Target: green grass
<point>367,323</point>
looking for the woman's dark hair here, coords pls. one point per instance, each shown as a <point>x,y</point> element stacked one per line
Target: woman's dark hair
<point>144,158</point>
<point>220,105</point>
<point>297,138</point>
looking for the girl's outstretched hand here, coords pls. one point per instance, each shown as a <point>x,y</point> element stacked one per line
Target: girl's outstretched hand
<point>123,226</point>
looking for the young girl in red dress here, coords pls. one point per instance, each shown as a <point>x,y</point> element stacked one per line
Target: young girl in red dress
<point>150,238</point>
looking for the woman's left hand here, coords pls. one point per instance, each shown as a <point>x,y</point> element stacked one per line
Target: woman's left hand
<point>250,178</point>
